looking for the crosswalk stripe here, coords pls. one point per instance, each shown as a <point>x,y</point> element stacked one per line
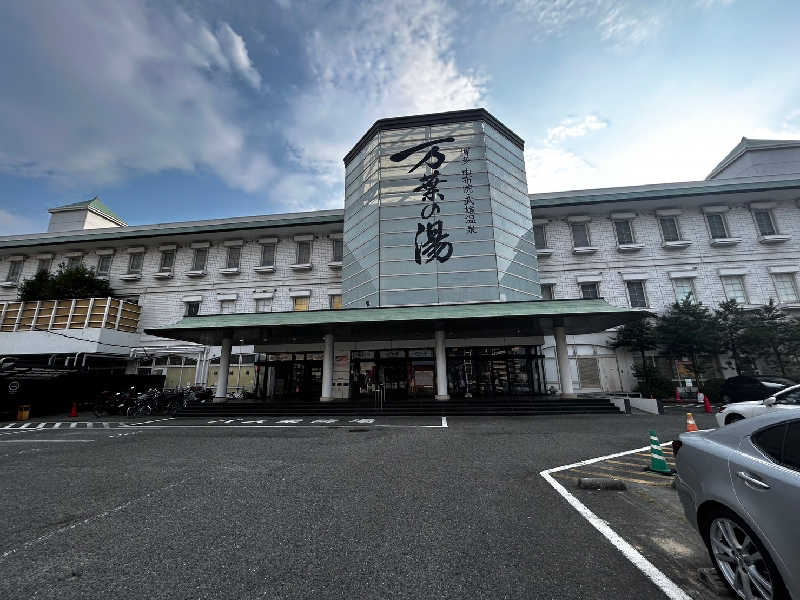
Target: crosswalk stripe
<point>57,425</point>
<point>73,425</point>
<point>41,425</point>
<point>25,425</point>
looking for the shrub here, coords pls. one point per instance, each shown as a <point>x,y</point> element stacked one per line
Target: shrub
<point>69,282</point>
<point>652,382</point>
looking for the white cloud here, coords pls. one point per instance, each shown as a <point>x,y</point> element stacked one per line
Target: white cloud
<point>684,148</point>
<point>554,169</point>
<point>13,224</point>
<point>713,3</point>
<point>369,62</point>
<point>106,90</point>
<point>621,26</point>
<point>572,127</point>
<point>235,50</point>
<point>621,22</point>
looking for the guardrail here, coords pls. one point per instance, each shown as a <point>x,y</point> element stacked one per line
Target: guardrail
<point>84,313</point>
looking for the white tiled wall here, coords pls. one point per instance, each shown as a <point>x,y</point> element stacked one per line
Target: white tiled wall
<point>756,258</point>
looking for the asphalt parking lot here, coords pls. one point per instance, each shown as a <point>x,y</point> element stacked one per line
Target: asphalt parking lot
<point>389,509</point>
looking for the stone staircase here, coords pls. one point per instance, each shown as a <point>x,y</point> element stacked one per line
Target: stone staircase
<point>517,405</point>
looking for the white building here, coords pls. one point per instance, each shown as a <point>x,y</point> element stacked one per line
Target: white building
<point>734,235</point>
<point>243,281</point>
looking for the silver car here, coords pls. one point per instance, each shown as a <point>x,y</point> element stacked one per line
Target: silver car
<point>740,488</point>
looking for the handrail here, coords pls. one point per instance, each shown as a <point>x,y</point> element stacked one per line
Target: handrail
<point>83,313</point>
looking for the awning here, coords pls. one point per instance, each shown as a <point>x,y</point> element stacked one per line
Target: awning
<point>489,319</point>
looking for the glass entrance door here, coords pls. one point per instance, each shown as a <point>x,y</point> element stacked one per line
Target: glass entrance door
<point>495,372</point>
<point>393,376</point>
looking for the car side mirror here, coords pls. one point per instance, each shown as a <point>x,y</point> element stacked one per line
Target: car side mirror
<point>770,401</point>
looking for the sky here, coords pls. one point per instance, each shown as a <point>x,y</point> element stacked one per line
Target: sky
<point>201,109</point>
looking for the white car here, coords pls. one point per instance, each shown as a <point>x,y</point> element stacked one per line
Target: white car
<point>786,399</point>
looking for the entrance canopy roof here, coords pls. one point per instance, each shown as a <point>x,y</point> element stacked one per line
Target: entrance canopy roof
<point>488,319</point>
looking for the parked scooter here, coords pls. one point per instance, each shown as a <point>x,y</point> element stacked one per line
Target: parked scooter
<point>148,403</point>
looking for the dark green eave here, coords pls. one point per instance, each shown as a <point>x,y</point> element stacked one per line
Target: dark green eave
<point>199,228</point>
<point>488,319</point>
<point>660,191</point>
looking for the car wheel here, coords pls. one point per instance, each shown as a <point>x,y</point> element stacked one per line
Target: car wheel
<point>740,558</point>
<point>733,418</point>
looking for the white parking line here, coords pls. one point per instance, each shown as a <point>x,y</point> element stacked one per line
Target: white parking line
<point>287,423</point>
<point>664,583</point>
<point>102,515</point>
<point>38,440</point>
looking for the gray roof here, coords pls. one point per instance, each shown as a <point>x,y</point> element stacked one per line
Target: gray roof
<point>663,191</point>
<point>747,144</point>
<point>95,205</point>
<point>301,219</point>
<point>453,116</point>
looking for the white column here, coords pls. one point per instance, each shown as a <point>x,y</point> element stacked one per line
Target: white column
<point>562,356</point>
<point>224,366</point>
<point>441,366</point>
<point>327,368</point>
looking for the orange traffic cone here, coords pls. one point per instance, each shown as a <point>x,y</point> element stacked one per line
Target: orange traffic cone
<point>690,424</point>
<point>707,404</point>
<point>74,411</point>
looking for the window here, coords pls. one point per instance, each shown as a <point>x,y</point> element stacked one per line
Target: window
<point>200,258</point>
<point>589,291</point>
<point>303,253</point>
<point>74,261</point>
<point>624,232</point>
<point>263,305</point>
<point>588,372</point>
<point>716,226</point>
<point>300,303</point>
<point>636,294</point>
<point>734,289</point>
<point>790,397</point>
<point>335,301</point>
<point>669,229</point>
<point>539,236</point>
<point>234,257</point>
<point>770,441</point>
<point>167,261</point>
<point>227,307</point>
<point>786,287</point>
<point>192,309</point>
<point>764,222</point>
<point>267,255</point>
<point>791,446</point>
<point>14,270</point>
<point>683,288</point>
<point>580,235</point>
<point>547,291</point>
<point>44,265</point>
<point>104,265</point>
<point>338,248</point>
<point>135,263</point>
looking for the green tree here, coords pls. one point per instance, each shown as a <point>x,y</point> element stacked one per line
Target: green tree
<point>68,282</point>
<point>772,333</point>
<point>688,329</point>
<point>733,322</point>
<point>637,337</point>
